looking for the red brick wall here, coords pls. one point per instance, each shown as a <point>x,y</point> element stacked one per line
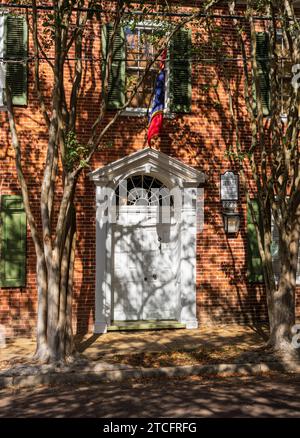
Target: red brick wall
<point>199,139</point>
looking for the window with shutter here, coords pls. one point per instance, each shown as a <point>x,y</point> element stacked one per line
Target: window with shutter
<point>13,242</point>
<point>16,56</point>
<point>133,46</point>
<point>13,58</point>
<point>262,56</point>
<point>255,271</point>
<point>180,87</point>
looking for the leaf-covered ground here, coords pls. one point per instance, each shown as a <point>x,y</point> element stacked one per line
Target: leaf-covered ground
<point>200,355</point>
<point>218,344</point>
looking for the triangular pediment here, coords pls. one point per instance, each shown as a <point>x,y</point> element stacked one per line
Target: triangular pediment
<point>148,161</point>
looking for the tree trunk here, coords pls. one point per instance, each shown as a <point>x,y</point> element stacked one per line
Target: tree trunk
<point>283,318</point>
<point>41,274</point>
<point>55,341</point>
<point>69,340</point>
<point>64,333</point>
<point>283,309</point>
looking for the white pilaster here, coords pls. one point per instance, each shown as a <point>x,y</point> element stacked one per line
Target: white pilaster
<point>103,294</point>
<point>188,260</point>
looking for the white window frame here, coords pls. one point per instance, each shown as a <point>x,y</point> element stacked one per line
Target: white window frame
<point>142,112</point>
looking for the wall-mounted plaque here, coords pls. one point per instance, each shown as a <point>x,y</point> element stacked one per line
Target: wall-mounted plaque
<point>229,187</point>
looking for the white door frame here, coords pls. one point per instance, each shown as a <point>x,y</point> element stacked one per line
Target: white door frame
<point>172,173</point>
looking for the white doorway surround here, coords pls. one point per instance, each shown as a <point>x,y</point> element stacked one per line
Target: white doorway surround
<point>146,258</point>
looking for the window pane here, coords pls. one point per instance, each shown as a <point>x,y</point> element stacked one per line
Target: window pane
<point>132,47</point>
<point>143,97</point>
<point>146,47</point>
<point>139,48</point>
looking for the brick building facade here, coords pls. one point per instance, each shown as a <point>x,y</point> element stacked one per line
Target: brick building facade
<point>197,137</point>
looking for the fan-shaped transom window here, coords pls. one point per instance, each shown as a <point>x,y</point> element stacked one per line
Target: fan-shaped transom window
<point>143,190</point>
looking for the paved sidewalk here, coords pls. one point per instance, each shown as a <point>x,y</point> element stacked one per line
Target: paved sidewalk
<point>268,396</point>
<point>97,347</point>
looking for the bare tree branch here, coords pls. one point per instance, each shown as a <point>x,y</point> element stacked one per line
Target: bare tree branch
<point>21,177</point>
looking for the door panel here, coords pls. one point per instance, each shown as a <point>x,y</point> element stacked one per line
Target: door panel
<point>161,297</point>
<point>145,268</point>
<point>128,280</point>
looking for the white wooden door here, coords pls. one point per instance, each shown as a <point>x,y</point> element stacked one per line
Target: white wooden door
<point>146,266</point>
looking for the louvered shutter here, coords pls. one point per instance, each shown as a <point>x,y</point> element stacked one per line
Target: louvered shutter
<point>180,86</point>
<point>16,50</point>
<point>13,242</point>
<point>255,271</point>
<point>116,83</point>
<point>262,55</point>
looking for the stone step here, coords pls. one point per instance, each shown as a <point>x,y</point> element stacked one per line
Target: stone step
<point>144,325</point>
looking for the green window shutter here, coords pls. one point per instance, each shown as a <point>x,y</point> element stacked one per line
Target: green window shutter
<point>262,55</point>
<point>116,83</point>
<point>180,80</point>
<point>255,271</point>
<point>16,49</point>
<point>13,242</point>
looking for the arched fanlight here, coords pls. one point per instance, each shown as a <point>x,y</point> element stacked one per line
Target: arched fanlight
<point>143,190</point>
